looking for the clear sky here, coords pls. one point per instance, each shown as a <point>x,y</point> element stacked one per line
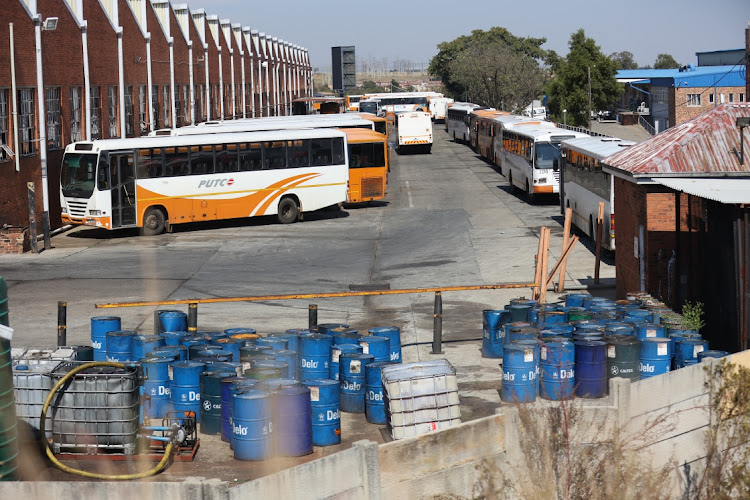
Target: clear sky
<point>393,30</point>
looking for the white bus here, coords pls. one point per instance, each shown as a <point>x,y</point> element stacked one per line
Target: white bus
<point>439,108</point>
<point>457,120</point>
<point>530,156</point>
<point>289,122</point>
<point>155,182</point>
<point>584,184</point>
<point>414,131</point>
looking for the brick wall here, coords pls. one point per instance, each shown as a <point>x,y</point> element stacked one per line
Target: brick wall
<point>680,112</point>
<point>630,212</point>
<point>14,240</point>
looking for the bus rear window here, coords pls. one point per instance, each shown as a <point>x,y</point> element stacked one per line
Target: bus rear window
<point>370,154</point>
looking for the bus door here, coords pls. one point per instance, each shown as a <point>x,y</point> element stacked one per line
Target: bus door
<point>122,182</point>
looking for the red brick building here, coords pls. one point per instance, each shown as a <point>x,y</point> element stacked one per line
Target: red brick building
<point>683,223</point>
<point>115,69</point>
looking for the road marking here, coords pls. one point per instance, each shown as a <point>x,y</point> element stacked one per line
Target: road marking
<point>408,194</point>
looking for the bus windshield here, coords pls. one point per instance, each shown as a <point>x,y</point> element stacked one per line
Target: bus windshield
<point>78,174</point>
<point>368,107</point>
<point>365,155</point>
<point>547,155</point>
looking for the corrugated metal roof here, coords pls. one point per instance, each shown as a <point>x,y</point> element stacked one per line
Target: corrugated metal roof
<point>728,191</point>
<point>701,76</point>
<point>597,147</point>
<point>701,145</point>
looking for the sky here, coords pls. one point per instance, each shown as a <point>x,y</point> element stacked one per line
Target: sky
<point>398,30</point>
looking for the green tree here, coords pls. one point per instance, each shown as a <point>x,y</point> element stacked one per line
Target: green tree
<point>624,60</point>
<point>665,61</point>
<point>569,88</point>
<point>498,76</point>
<point>440,64</point>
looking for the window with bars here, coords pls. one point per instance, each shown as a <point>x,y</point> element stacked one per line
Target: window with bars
<point>155,104</point>
<point>4,125</point>
<point>694,100</point>
<point>96,113</point>
<point>54,131</point>
<point>26,121</point>
<point>186,101</point>
<point>177,106</point>
<point>143,108</point>
<point>228,109</point>
<point>113,114</point>
<point>129,130</point>
<point>75,114</point>
<point>200,106</point>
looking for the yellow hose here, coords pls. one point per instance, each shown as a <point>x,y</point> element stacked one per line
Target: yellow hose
<point>94,475</point>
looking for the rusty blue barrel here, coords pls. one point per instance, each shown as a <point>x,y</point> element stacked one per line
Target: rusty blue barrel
<point>379,347</point>
<point>515,325</point>
<point>549,318</point>
<point>687,350</point>
<point>292,421</point>
<point>591,368</point>
<point>712,353</point>
<point>493,332</point>
<point>521,333</point>
<point>656,356</point>
<point>252,427</point>
<point>336,350</point>
<point>352,380</point>
<point>557,370</point>
<point>575,299</point>
<point>374,403</point>
<point>120,345</point>
<point>314,356</point>
<point>325,402</point>
<point>156,387</point>
<point>393,333</point>
<point>172,321</point>
<point>519,312</point>
<point>100,326</point>
<point>520,364</point>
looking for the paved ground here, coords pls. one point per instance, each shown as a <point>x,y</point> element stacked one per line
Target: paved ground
<point>449,219</point>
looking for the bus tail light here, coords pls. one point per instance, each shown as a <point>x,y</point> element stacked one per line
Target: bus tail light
<point>612,225</point>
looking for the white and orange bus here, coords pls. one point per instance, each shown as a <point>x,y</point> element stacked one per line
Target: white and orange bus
<point>154,182</point>
<point>368,164</point>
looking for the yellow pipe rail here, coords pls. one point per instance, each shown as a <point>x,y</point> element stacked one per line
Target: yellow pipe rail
<point>258,298</point>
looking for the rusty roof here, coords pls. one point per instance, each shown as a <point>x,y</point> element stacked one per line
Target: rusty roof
<point>702,146</point>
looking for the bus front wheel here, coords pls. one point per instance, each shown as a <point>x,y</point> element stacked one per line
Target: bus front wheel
<point>288,210</point>
<point>154,222</point>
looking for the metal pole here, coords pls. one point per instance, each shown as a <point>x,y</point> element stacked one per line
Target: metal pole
<point>192,318</point>
<point>62,328</point>
<point>312,316</point>
<point>437,328</point>
<point>32,216</point>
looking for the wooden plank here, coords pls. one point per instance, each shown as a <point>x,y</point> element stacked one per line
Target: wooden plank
<point>566,240</point>
<point>562,260</point>
<point>598,242</point>
<point>538,270</point>
<point>545,262</point>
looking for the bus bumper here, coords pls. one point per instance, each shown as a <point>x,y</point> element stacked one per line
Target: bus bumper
<point>545,189</point>
<point>86,221</point>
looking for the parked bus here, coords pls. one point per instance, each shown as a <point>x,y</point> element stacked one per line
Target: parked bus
<point>414,130</point>
<point>351,102</point>
<point>474,116</point>
<point>584,184</point>
<point>380,124</point>
<point>439,108</point>
<point>317,105</point>
<point>368,165</point>
<point>369,106</point>
<point>530,155</point>
<point>154,182</point>
<point>457,121</point>
<point>349,120</point>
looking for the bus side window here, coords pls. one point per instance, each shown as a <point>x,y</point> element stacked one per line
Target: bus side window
<point>251,157</point>
<point>226,158</point>
<point>103,173</point>
<point>321,151</point>
<point>338,151</point>
<point>202,160</point>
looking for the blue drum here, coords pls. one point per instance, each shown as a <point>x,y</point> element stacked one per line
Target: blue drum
<point>649,330</point>
<point>656,356</point>
<point>591,368</point>
<point>263,369</point>
<point>172,321</point>
<point>229,386</point>
<point>352,380</point>
<point>314,354</point>
<point>231,345</point>
<point>548,318</point>
<point>292,339</point>
<point>155,387</point>
<point>292,421</point>
<point>519,312</point>
<point>325,401</point>
<point>173,338</point>
<point>184,387</point>
<point>515,326</point>
<point>193,340</point>
<point>522,333</point>
<point>239,331</point>
<point>275,384</point>
<point>687,351</point>
<point>374,403</point>
<point>343,335</point>
<point>520,363</point>
<point>276,343</point>
<point>711,354</point>
<point>575,299</point>
<point>379,347</point>
<point>493,332</point>
<point>336,350</point>
<point>291,358</point>
<point>120,345</point>
<point>175,351</point>
<point>557,367</point>
<point>100,326</point>
<point>393,334</point>
<point>144,344</point>
<point>251,425</point>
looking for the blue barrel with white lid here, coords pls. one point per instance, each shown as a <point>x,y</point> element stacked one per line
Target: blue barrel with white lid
<point>656,356</point>
<point>100,326</point>
<point>336,350</point>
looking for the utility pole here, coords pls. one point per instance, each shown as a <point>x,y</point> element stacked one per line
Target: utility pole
<point>589,72</point>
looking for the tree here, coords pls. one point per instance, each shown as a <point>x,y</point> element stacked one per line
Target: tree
<point>569,88</point>
<point>440,64</point>
<point>665,61</point>
<point>624,60</point>
<point>497,76</point>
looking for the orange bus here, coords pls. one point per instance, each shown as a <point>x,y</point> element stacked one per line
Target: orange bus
<point>473,117</point>
<point>381,124</point>
<point>485,132</point>
<point>368,165</point>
